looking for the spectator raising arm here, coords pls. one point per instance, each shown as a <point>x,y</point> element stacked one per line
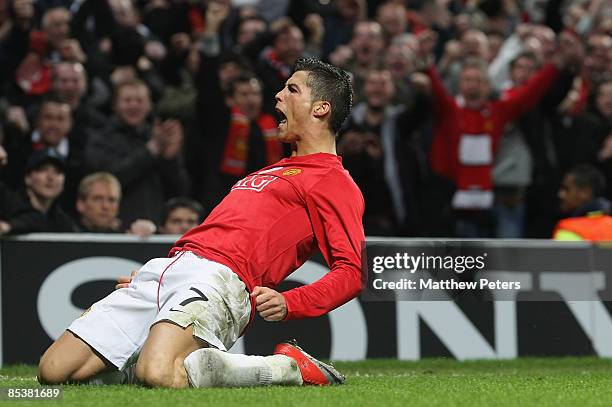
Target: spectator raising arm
<point>521,100</point>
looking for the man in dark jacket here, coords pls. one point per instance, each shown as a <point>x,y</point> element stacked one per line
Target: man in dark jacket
<point>37,209</point>
<point>70,85</point>
<point>54,130</point>
<point>53,125</point>
<point>147,159</point>
<point>379,148</point>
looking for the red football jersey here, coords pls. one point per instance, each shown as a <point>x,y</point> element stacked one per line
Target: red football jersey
<point>466,140</point>
<point>273,220</point>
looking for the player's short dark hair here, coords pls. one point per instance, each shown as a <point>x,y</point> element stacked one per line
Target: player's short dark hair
<point>243,77</point>
<point>587,176</point>
<point>181,202</point>
<point>331,84</point>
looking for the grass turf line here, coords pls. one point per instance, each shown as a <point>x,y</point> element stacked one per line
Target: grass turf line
<point>429,382</point>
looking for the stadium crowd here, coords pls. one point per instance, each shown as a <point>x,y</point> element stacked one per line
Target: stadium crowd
<point>138,116</point>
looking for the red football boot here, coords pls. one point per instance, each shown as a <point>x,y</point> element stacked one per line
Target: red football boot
<point>313,371</point>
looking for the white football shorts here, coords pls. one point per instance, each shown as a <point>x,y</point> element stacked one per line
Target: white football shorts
<point>185,289</point>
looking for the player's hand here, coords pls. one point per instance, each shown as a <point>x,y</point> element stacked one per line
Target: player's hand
<point>124,281</point>
<point>270,303</point>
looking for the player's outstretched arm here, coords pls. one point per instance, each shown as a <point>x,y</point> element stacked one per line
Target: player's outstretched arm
<point>337,224</point>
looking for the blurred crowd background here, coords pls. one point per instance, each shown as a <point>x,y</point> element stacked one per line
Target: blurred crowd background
<point>138,116</point>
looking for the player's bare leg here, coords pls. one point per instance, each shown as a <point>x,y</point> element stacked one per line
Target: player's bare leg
<point>69,359</point>
<point>160,363</point>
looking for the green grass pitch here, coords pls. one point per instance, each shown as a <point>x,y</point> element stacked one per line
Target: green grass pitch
<point>430,382</point>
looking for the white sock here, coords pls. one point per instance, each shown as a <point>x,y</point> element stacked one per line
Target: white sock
<point>211,367</point>
<point>284,369</point>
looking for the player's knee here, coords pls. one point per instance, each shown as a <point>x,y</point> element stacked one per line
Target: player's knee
<point>55,368</point>
<point>50,371</point>
<point>156,374</point>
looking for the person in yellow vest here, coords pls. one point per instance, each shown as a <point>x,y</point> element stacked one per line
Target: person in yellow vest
<point>580,195</point>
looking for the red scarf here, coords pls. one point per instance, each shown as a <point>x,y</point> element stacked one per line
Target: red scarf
<point>236,152</point>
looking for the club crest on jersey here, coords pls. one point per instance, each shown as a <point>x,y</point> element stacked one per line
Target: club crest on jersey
<point>255,182</point>
<point>291,172</point>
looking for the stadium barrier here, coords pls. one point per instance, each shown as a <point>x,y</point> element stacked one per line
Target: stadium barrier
<point>562,308</point>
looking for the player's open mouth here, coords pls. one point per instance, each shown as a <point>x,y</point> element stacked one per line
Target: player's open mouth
<point>283,117</point>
